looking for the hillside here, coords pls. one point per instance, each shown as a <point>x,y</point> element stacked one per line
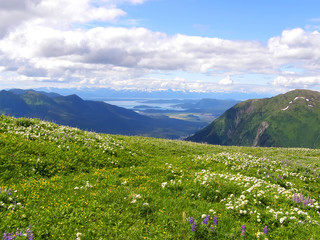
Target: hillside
<point>286,120</point>
<point>91,115</point>
<point>58,182</point>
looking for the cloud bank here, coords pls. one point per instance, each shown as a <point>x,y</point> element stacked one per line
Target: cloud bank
<point>60,42</point>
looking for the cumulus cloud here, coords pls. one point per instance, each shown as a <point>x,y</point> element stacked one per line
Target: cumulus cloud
<point>297,46</point>
<point>296,81</point>
<point>53,12</point>
<point>135,48</point>
<point>40,42</point>
<point>226,81</point>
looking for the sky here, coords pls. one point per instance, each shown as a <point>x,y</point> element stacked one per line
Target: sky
<point>250,46</point>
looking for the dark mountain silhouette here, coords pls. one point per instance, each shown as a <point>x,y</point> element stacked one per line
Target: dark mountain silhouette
<point>90,115</point>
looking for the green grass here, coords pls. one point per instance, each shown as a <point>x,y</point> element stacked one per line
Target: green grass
<point>64,182</point>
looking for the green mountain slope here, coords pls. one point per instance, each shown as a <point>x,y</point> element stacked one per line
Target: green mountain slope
<point>62,183</point>
<point>90,115</point>
<point>287,120</point>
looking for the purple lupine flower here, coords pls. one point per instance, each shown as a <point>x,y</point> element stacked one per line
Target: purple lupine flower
<point>191,220</point>
<point>212,228</point>
<point>30,234</point>
<point>299,198</point>
<point>307,201</point>
<point>265,230</point>
<point>8,236</point>
<point>194,227</point>
<point>206,220</point>
<point>243,230</point>
<point>215,220</point>
<point>18,233</point>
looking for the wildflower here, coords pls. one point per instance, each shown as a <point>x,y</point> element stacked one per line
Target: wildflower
<point>212,228</point>
<point>243,230</point>
<point>88,184</point>
<point>215,220</point>
<point>30,234</point>
<point>9,192</point>
<point>163,184</point>
<point>194,227</point>
<point>206,220</point>
<point>191,220</point>
<point>265,230</point>
<point>78,235</point>
<point>18,232</point>
<point>8,236</point>
<point>282,220</point>
<point>145,204</point>
<point>258,234</point>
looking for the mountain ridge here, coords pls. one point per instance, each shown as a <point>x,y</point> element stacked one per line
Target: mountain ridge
<point>90,115</point>
<point>286,120</point>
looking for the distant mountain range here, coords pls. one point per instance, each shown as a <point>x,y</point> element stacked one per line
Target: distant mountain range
<point>108,93</point>
<point>95,116</point>
<point>286,120</point>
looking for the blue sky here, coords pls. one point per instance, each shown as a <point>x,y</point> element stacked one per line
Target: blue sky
<point>234,20</point>
<point>265,47</point>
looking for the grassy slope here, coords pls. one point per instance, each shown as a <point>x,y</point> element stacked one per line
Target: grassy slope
<point>65,181</point>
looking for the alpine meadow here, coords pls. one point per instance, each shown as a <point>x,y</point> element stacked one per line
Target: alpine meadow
<point>159,120</point>
<point>59,182</point>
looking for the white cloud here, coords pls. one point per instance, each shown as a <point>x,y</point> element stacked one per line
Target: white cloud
<point>41,44</point>
<point>296,45</point>
<point>137,48</point>
<point>53,13</point>
<point>296,81</point>
<point>226,81</point>
<point>76,11</point>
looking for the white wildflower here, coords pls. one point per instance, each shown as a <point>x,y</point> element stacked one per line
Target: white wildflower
<point>78,235</point>
<point>282,220</point>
